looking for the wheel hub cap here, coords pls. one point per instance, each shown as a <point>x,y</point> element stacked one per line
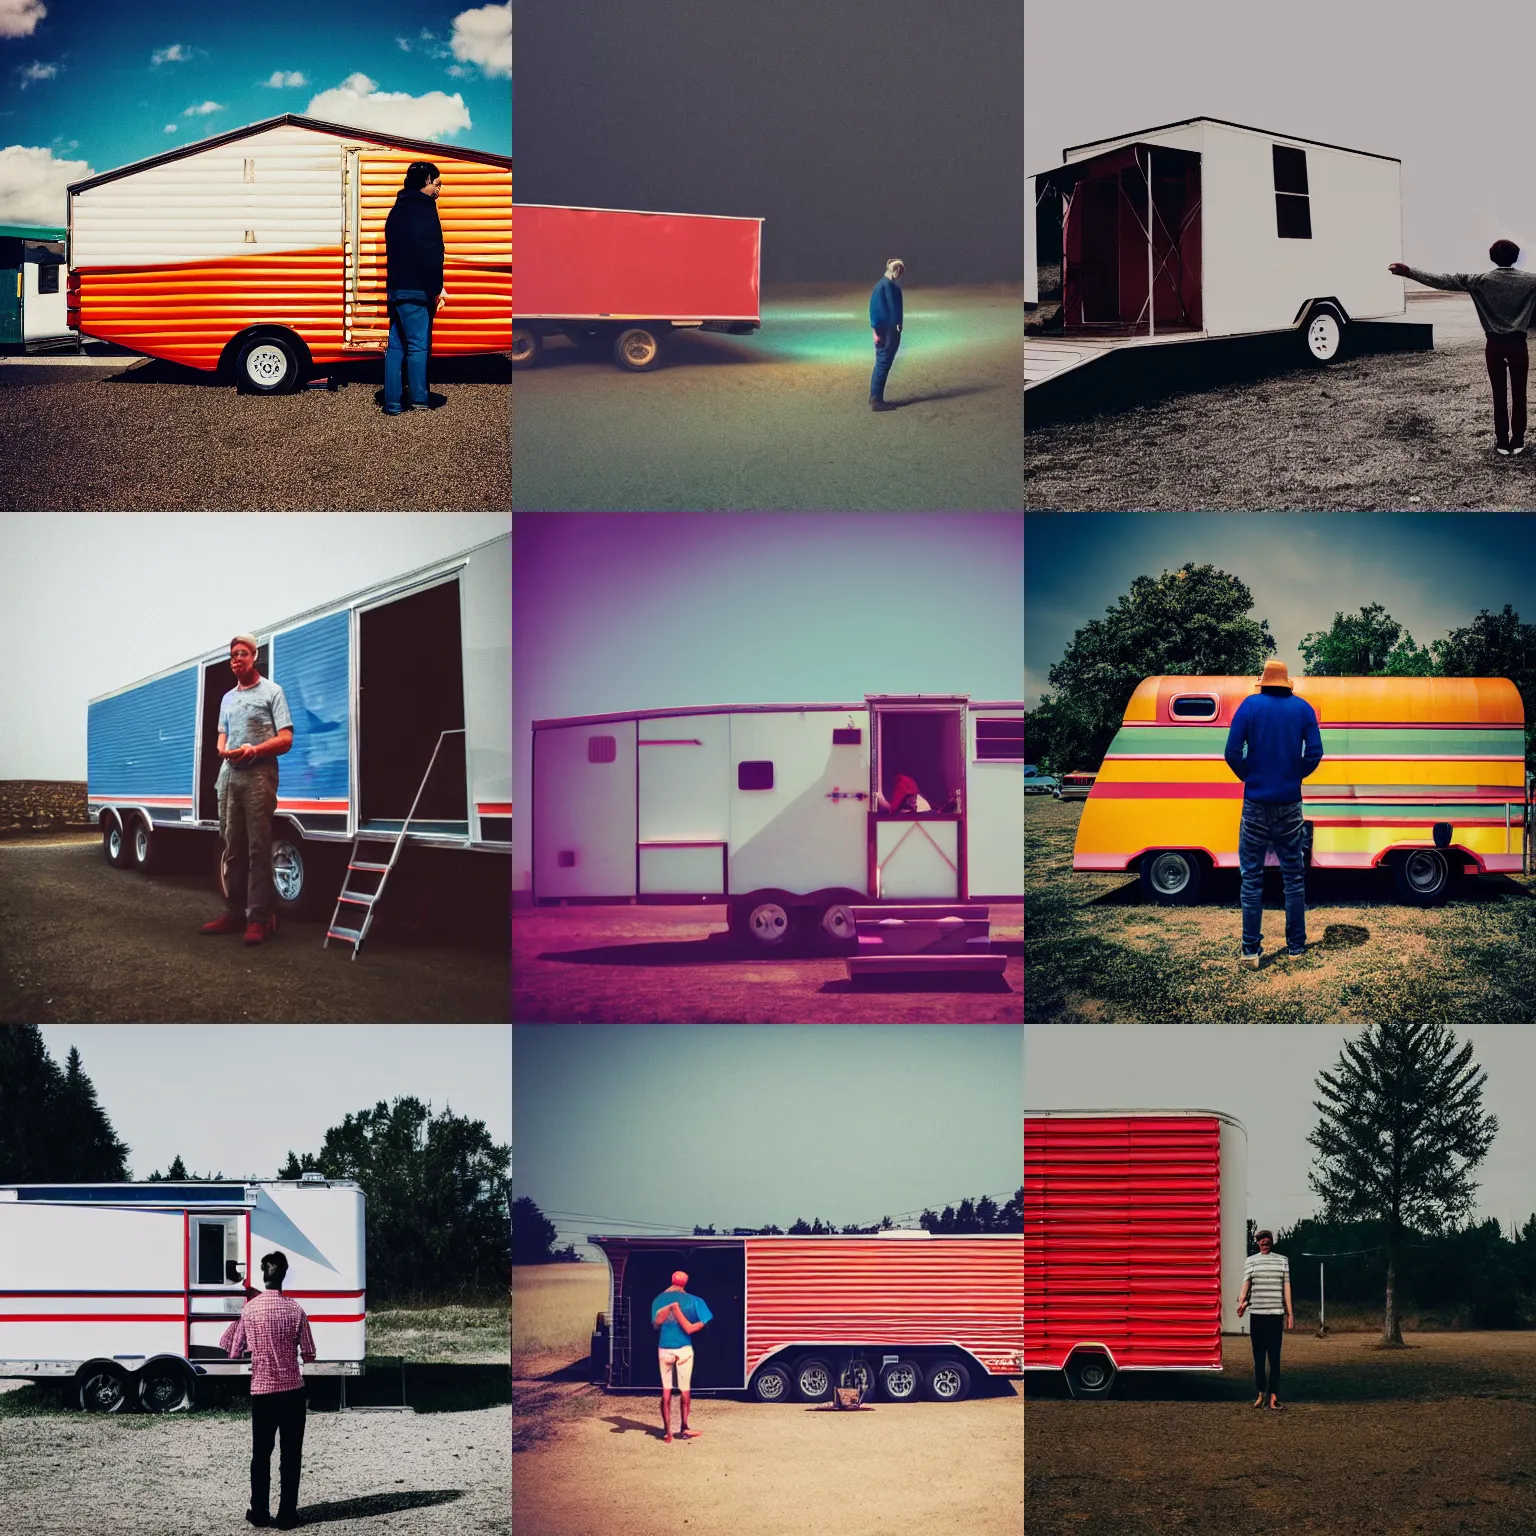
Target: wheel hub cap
<point>266,365</point>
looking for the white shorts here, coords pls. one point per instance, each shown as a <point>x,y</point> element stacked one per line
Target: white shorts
<point>683,1360</point>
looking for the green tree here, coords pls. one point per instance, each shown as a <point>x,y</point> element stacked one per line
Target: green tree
<point>1402,1128</point>
<point>1495,645</point>
<point>1191,621</point>
<point>52,1129</point>
<point>533,1233</point>
<point>1356,644</point>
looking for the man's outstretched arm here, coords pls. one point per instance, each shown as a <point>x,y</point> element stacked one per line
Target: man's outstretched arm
<point>1460,282</point>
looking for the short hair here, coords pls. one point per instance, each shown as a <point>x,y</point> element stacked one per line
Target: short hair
<point>274,1266</point>
<point>249,640</point>
<point>1503,253</point>
<point>1263,1232</point>
<point>420,173</point>
<point>895,261</point>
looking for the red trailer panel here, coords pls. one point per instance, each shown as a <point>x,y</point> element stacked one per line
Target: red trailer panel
<point>1123,1240</point>
<point>602,264</point>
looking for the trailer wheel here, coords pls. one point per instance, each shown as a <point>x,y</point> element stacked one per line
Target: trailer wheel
<point>165,1387</point>
<point>145,846</point>
<point>902,1381</point>
<point>102,1388</point>
<point>770,1384</point>
<point>297,881</point>
<point>1171,877</point>
<point>638,349</point>
<point>837,931</point>
<point>863,1375</point>
<point>813,1379</point>
<point>268,365</point>
<point>114,844</point>
<point>526,346</point>
<point>949,1381</point>
<point>1090,1375</point>
<point>1424,876</point>
<point>1323,334</point>
<point>768,925</point>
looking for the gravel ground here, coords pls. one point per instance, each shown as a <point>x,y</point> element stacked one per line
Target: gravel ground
<point>781,419</point>
<point>81,942</point>
<point>157,437</point>
<point>675,965</point>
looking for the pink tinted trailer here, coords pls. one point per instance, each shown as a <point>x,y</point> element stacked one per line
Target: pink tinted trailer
<point>1135,1232</point>
<point>907,1312</point>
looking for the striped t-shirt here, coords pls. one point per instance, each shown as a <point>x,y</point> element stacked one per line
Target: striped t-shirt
<point>1266,1274</point>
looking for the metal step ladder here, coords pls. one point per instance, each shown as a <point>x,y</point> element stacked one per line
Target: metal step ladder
<point>368,900</point>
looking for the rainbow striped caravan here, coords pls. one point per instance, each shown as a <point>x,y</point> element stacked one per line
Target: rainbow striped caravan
<point>1425,774</point>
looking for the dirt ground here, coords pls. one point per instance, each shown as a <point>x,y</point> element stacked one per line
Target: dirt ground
<point>781,418</point>
<point>675,965</point>
<point>1409,430</point>
<point>1432,1440</point>
<point>152,436</point>
<point>81,942</point>
<point>1098,953</point>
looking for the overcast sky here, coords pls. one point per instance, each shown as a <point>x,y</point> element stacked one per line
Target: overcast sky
<point>683,1125</point>
<point>1431,571</point>
<point>857,130</point>
<point>653,611</point>
<point>1447,92</point>
<point>90,602</point>
<point>237,1098</point>
<point>1266,1076</point>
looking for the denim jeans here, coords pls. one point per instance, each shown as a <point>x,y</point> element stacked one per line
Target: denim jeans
<point>1280,827</point>
<point>247,799</point>
<point>274,1413</point>
<point>885,355</point>
<point>410,342</point>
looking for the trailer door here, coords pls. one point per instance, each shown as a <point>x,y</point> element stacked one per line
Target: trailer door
<point>218,1255</point>
<point>370,180</point>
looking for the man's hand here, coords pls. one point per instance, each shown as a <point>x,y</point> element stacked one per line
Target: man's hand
<point>1242,1307</point>
<point>442,297</point>
<point>1397,269</point>
<point>244,754</point>
<point>1290,1320</point>
<point>876,335</point>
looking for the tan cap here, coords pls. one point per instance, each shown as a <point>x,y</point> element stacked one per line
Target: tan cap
<point>1276,675</point>
<point>250,640</point>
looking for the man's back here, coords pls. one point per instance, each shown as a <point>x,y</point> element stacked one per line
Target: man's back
<point>274,1330</point>
<point>1283,745</point>
<point>694,1308</point>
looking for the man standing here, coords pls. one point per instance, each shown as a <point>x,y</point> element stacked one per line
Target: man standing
<point>679,1316</point>
<point>413,250</point>
<point>1267,1293</point>
<point>885,322</point>
<point>274,1331</point>
<point>1505,301</point>
<point>1272,745</point>
<point>255,729</point>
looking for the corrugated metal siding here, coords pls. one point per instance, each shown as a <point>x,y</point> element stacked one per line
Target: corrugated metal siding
<point>140,743</point>
<point>968,1291</point>
<point>310,665</point>
<point>1122,1233</point>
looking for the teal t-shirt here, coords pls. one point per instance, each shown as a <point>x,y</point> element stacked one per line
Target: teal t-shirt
<point>674,1336</point>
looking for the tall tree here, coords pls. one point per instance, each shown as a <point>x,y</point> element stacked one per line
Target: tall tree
<point>1402,1128</point>
<point>1495,645</point>
<point>1354,645</point>
<point>52,1130</point>
<point>533,1233</point>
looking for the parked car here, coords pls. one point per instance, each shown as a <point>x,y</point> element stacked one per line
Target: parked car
<point>1037,783</point>
<point>1075,786</point>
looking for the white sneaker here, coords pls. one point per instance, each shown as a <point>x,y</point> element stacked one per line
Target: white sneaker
<point>1503,453</point>
<point>1518,449</point>
<point>1251,961</point>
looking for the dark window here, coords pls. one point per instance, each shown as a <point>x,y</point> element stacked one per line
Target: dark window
<point>999,740</point>
<point>601,749</point>
<point>48,277</point>
<point>847,738</point>
<point>754,775</point>
<point>1194,706</point>
<point>210,1253</point>
<point>1293,212</point>
<point>566,858</point>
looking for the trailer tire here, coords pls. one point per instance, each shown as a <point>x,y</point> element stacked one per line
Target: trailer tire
<point>114,843</point>
<point>902,1381</point>
<point>770,1384</point>
<point>1090,1375</point>
<point>102,1388</point>
<point>638,349</point>
<point>864,1375</point>
<point>765,925</point>
<point>527,345</point>
<point>299,882</point>
<point>146,847</point>
<point>1322,335</point>
<point>165,1386</point>
<point>269,364</point>
<point>836,932</point>
<point>813,1379</point>
<point>949,1381</point>
<point>1424,876</point>
<point>1170,876</point>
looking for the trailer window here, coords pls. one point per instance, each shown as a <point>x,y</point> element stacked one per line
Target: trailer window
<point>849,736</point>
<point>216,1249</point>
<point>48,277</point>
<point>999,741</point>
<point>1293,211</point>
<point>1195,706</point>
<point>602,749</point>
<point>754,775</point>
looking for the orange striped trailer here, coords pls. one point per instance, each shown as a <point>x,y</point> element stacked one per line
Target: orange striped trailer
<point>261,252</point>
<point>905,1313</point>
<point>1425,775</point>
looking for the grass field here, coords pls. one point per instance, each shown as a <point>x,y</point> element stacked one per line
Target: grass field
<point>1095,952</point>
<point>553,1309</point>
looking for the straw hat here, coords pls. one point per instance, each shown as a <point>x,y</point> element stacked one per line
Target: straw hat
<point>1276,675</point>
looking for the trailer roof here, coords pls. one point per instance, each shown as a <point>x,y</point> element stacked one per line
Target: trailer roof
<point>761,709</point>
<point>163,1191</point>
<point>1225,122</point>
<point>1120,1114</point>
<point>42,232</point>
<point>651,213</point>
<point>429,150</point>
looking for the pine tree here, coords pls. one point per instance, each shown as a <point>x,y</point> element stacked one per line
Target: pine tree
<point>52,1130</point>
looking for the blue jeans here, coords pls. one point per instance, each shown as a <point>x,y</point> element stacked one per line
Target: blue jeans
<point>885,355</point>
<point>410,341</point>
<point>1282,828</point>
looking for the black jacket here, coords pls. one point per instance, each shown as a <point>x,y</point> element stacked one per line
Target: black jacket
<point>413,243</point>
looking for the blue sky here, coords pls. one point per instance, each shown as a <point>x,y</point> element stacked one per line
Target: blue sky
<point>88,85</point>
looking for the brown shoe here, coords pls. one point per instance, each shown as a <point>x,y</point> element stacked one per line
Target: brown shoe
<point>255,933</point>
<point>227,923</point>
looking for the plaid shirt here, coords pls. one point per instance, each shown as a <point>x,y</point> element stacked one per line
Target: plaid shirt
<point>271,1330</point>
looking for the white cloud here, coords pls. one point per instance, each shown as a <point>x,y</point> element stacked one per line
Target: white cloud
<point>19,18</point>
<point>358,102</point>
<point>177,53</point>
<point>484,37</point>
<point>33,185</point>
<point>281,78</point>
<point>35,71</point>
<point>405,43</point>
<point>202,109</point>
<point>170,127</point>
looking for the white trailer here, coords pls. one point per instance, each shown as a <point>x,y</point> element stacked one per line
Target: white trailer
<point>126,1289</point>
<point>1233,231</point>
<point>771,808</point>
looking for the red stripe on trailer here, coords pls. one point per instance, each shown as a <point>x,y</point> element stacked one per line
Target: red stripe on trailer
<point>494,808</point>
<point>93,1317</point>
<point>1122,1239</point>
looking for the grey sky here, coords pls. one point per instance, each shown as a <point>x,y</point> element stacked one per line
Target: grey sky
<point>90,602</point>
<point>1266,1075</point>
<point>680,1125</point>
<point>1431,571</point>
<point>237,1098</point>
<point>1445,91</point>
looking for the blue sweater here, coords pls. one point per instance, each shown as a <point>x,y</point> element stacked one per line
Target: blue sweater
<point>885,306</point>
<point>1283,745</point>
